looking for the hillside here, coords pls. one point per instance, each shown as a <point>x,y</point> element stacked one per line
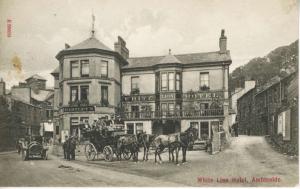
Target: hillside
<point>262,69</point>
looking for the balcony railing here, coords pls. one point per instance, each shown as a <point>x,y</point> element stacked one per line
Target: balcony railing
<point>173,114</point>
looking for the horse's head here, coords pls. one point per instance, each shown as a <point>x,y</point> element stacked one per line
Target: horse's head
<point>140,138</point>
<point>192,134</point>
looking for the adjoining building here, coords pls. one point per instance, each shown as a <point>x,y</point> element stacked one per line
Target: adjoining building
<point>156,94</point>
<point>272,110</point>
<point>28,108</point>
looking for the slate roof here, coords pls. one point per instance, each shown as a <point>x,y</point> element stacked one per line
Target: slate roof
<point>55,71</point>
<point>36,76</point>
<point>90,43</point>
<point>206,57</point>
<point>169,59</point>
<point>42,95</point>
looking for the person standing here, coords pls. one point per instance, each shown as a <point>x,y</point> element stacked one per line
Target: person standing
<point>65,148</point>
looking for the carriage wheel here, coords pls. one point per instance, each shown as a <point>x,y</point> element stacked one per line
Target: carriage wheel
<point>108,153</point>
<point>90,151</point>
<point>127,154</point>
<point>24,155</point>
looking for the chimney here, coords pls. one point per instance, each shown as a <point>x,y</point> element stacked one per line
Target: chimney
<point>223,42</point>
<point>67,46</point>
<point>121,48</point>
<point>2,87</point>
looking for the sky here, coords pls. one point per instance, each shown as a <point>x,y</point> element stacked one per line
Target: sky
<point>40,28</point>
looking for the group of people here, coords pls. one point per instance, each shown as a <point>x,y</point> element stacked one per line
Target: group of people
<point>69,147</point>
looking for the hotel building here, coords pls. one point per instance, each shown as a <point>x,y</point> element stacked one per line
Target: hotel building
<point>155,94</point>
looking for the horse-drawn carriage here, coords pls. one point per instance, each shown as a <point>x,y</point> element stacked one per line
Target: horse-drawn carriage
<point>32,146</point>
<point>105,142</point>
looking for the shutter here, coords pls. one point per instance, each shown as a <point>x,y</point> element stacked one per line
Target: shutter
<point>287,125</point>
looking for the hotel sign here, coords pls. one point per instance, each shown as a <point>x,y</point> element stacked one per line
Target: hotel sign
<point>79,109</point>
<point>138,98</point>
<point>203,95</point>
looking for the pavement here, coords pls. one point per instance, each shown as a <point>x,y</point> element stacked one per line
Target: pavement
<point>249,161</point>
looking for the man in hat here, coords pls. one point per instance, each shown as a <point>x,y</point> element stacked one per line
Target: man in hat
<point>65,147</point>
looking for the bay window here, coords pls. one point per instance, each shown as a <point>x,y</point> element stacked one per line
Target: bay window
<point>171,81</point>
<point>85,68</point>
<point>74,68</point>
<point>164,82</point>
<point>177,81</point>
<point>74,94</point>
<point>104,69</point>
<point>135,85</point>
<point>84,92</point>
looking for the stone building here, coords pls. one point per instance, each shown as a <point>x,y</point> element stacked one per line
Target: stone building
<point>167,94</point>
<point>87,83</point>
<point>156,94</point>
<point>272,110</point>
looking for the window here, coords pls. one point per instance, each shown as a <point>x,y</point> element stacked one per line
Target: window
<point>130,128</point>
<point>171,81</point>
<point>83,120</point>
<point>104,96</point>
<point>204,81</point>
<point>84,92</point>
<point>139,128</point>
<point>164,82</point>
<point>204,130</point>
<point>74,126</point>
<point>164,109</point>
<point>171,109</point>
<point>135,85</point>
<point>74,69</point>
<point>203,106</point>
<point>177,81</point>
<point>104,69</point>
<point>74,94</point>
<point>85,68</point>
<point>57,130</point>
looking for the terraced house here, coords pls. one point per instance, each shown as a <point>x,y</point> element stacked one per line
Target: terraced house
<point>155,94</point>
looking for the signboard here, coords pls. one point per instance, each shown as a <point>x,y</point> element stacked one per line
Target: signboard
<point>203,95</point>
<point>79,109</point>
<point>139,98</point>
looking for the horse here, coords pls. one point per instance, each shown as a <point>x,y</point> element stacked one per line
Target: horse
<point>128,142</point>
<point>145,141</point>
<point>174,142</point>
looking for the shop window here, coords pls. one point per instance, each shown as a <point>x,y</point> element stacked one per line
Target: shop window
<point>85,68</point>
<point>104,69</point>
<point>171,109</point>
<point>74,122</point>
<point>74,69</point>
<point>204,130</point>
<point>139,128</point>
<point>130,128</point>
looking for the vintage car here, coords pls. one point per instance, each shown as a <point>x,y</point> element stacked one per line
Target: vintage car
<point>32,146</point>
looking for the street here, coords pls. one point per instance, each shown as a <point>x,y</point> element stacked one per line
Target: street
<point>247,157</point>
